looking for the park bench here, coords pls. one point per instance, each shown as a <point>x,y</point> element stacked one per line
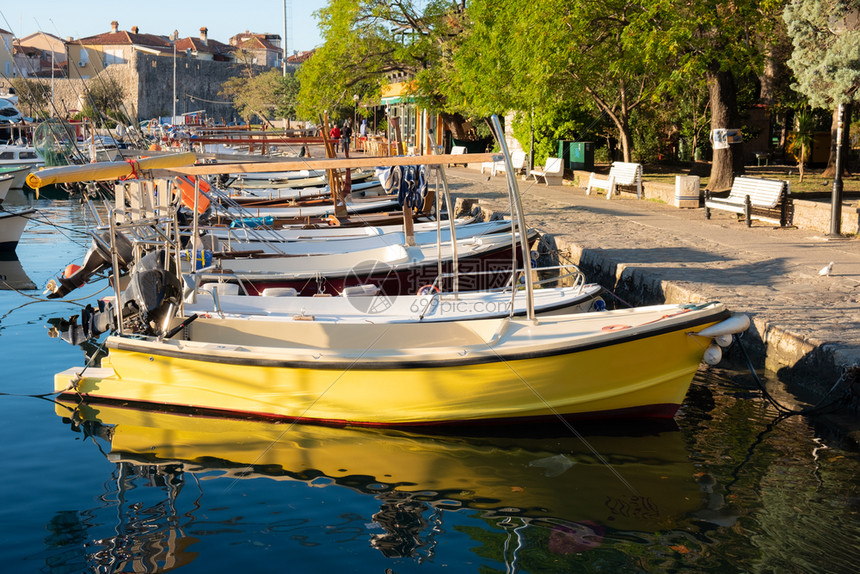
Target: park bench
<point>755,198</point>
<point>457,150</point>
<point>553,171</point>
<point>518,160</point>
<point>620,174</point>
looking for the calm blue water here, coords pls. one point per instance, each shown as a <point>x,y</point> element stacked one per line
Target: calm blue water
<point>729,489</point>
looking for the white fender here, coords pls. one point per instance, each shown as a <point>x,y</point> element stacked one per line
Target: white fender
<point>734,324</point>
<point>713,354</point>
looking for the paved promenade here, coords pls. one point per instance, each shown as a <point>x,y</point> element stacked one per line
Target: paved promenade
<point>806,327</point>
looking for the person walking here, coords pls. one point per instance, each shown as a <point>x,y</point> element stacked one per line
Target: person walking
<point>334,135</point>
<point>346,134</point>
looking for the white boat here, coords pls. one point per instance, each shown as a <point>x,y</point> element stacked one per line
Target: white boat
<point>346,245</point>
<point>321,209</point>
<point>12,225</point>
<point>301,232</point>
<point>365,304</point>
<point>18,174</point>
<point>287,194</point>
<point>5,186</point>
<point>395,269</point>
<point>18,155</point>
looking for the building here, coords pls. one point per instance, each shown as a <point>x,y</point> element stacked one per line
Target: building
<point>45,54</point>
<point>7,60</point>
<point>89,56</point>
<point>204,48</point>
<point>258,49</point>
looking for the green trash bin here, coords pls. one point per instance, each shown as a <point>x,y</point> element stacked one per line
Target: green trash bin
<point>582,156</point>
<point>564,152</point>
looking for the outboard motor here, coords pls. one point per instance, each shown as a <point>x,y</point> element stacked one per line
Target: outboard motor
<point>152,293</point>
<point>97,259</point>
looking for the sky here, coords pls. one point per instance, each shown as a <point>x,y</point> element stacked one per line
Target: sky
<point>82,18</point>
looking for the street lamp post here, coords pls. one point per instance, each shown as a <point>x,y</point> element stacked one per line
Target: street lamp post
<point>173,119</point>
<point>355,99</point>
<point>836,196</point>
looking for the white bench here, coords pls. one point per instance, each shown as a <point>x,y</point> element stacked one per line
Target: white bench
<point>518,160</point>
<point>457,150</point>
<point>553,171</point>
<point>755,198</point>
<point>621,173</point>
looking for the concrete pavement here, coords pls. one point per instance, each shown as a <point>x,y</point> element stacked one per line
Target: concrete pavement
<point>806,327</point>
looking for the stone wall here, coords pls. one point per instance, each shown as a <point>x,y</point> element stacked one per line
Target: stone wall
<point>147,83</point>
<point>197,85</point>
<point>813,215</point>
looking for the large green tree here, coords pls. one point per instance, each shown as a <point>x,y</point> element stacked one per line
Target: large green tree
<point>370,43</point>
<point>268,95</point>
<point>716,40</point>
<point>533,56</point>
<point>826,55</point>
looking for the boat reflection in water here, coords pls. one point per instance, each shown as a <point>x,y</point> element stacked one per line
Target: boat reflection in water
<point>573,489</point>
<point>12,274</point>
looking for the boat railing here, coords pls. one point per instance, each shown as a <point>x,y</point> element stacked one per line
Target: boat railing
<point>566,274</point>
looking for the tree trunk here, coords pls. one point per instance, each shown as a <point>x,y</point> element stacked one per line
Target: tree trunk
<point>830,170</point>
<point>728,162</point>
<point>456,124</point>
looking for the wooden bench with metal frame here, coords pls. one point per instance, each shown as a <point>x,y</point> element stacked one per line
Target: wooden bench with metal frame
<point>755,198</point>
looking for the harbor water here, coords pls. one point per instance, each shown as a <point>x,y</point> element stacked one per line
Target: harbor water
<point>729,486</point>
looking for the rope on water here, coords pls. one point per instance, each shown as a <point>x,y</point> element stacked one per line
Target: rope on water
<point>850,375</point>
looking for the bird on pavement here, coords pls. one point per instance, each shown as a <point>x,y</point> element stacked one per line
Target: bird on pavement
<point>826,269</point>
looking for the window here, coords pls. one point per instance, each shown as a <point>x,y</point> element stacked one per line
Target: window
<point>27,155</point>
<point>7,155</point>
<point>114,56</point>
<point>85,57</point>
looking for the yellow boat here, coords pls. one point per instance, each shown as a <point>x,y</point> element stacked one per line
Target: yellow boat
<point>625,363</point>
<point>644,482</point>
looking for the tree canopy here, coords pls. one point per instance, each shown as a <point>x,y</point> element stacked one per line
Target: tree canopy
<point>268,95</point>
<point>826,56</point>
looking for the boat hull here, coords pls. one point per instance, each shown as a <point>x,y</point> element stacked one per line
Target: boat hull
<point>12,225</point>
<point>637,374</point>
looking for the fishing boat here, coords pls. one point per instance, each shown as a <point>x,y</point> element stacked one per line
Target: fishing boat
<point>268,243</point>
<point>12,224</point>
<point>630,363</point>
<point>20,155</point>
<point>314,208</point>
<point>366,303</point>
<point>18,173</point>
<point>325,232</point>
<point>397,269</point>
<point>5,186</point>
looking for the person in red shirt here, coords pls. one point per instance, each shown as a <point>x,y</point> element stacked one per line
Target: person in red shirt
<point>334,135</point>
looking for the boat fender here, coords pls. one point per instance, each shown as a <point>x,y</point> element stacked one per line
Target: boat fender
<point>713,354</point>
<point>612,328</point>
<point>426,290</point>
<point>737,323</point>
<point>724,340</point>
<point>186,189</point>
<point>70,270</point>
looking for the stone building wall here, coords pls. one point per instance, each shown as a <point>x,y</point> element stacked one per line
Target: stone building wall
<point>197,85</point>
<point>147,82</point>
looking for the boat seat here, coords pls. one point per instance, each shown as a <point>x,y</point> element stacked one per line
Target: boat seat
<point>280,292</point>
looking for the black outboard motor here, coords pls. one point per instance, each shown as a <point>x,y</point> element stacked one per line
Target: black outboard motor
<point>97,259</point>
<point>153,292</point>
